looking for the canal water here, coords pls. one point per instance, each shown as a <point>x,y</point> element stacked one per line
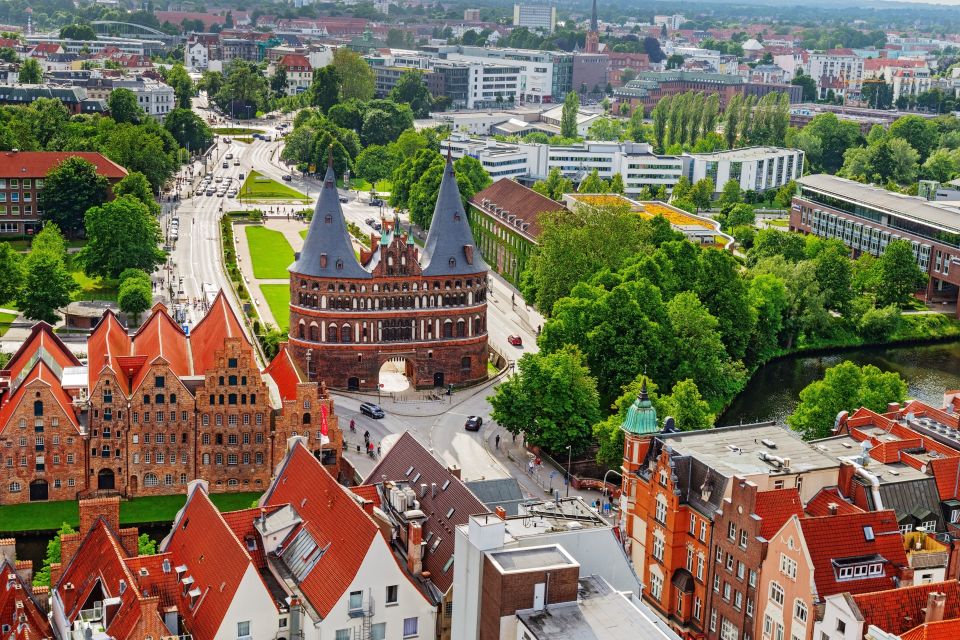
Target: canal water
<point>774,389</point>
<point>33,546</point>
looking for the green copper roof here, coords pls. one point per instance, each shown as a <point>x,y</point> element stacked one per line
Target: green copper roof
<point>641,417</point>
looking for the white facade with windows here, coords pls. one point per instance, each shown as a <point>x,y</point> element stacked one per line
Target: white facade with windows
<point>155,98</point>
<point>755,168</point>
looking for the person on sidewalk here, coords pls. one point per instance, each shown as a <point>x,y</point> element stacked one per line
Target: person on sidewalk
<point>496,441</point>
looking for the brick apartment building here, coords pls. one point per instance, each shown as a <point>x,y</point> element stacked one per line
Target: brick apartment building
<point>21,180</point>
<point>152,411</point>
<point>349,317</point>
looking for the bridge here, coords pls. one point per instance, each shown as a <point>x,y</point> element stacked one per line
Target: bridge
<point>133,31</point>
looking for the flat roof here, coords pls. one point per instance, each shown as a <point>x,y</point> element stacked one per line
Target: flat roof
<point>843,447</point>
<point>736,450</point>
<point>898,204</point>
<point>746,153</point>
<point>527,558</point>
<point>599,613</point>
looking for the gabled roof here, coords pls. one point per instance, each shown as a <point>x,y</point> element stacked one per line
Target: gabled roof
<point>819,505</point>
<point>108,342</point>
<point>942,630</point>
<point>152,580</point>
<point>208,336</point>
<point>42,340</point>
<point>450,507</point>
<point>775,507</point>
<point>450,249</point>
<point>294,60</point>
<point>42,372</point>
<point>241,524</point>
<point>37,164</point>
<point>526,204</point>
<point>201,540</point>
<point>333,519</point>
<point>846,536</point>
<point>285,373</point>
<point>897,611</point>
<point>161,337</point>
<point>16,598</point>
<point>328,250</point>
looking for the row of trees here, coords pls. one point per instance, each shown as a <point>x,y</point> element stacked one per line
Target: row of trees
<point>416,182</point>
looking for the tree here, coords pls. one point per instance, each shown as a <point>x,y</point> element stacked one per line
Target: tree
<point>833,271</point>
<point>383,125</point>
<point>145,545</point>
<point>688,409</point>
<point>325,88</point>
<point>412,90</point>
<point>471,169</point>
<point>121,234</point>
<point>921,133</point>
<point>724,293</point>
<point>675,61</point>
<point>660,116</point>
<point>829,138</point>
<point>737,215</point>
<point>770,303</point>
<point>278,83</point>
<point>552,400</point>
<point>844,387</point>
<point>54,550</point>
<point>136,184</point>
<point>731,193</point>
<point>877,325</point>
<point>78,32</point>
<point>605,129</point>
<point>652,48</point>
<point>189,130</point>
<point>72,187</point>
<point>136,293</point>
<point>701,193</point>
<point>809,86</point>
<point>211,82</point>
<point>356,77</point>
<point>568,116</point>
<point>11,265</point>
<point>124,107</point>
<point>30,72</point>
<point>146,149</point>
<point>47,286</point>
<point>772,242</point>
<point>785,195</point>
<point>942,165</point>
<point>899,275</point>
<point>554,186</point>
<point>616,184</point>
<point>593,183</point>
<point>375,163</point>
<point>183,89</point>
<point>245,90</point>
<point>50,239</point>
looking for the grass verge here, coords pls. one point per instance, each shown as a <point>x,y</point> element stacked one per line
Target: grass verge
<point>45,516</point>
<point>244,140</point>
<point>94,288</point>
<point>236,131</point>
<point>277,297</point>
<point>270,252</point>
<point>6,319</point>
<point>258,187</point>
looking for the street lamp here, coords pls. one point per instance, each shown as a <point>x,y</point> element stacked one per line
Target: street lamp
<point>569,460</point>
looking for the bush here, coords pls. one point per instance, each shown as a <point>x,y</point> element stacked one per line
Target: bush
<point>876,325</point>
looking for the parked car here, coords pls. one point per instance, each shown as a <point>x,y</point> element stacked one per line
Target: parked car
<point>344,199</point>
<point>287,177</point>
<point>236,163</point>
<point>473,423</point>
<point>240,176</point>
<point>516,341</point>
<point>372,410</point>
<point>229,156</point>
<point>226,165</point>
<point>376,202</point>
<point>370,221</point>
<point>218,179</point>
<point>209,192</point>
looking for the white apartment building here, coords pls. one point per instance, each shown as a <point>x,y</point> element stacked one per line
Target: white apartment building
<point>155,98</point>
<point>535,15</point>
<point>529,81</point>
<point>755,168</point>
<point>837,69</point>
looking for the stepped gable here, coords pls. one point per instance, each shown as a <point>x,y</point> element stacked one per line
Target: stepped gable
<point>328,250</point>
<point>161,337</point>
<point>285,373</point>
<point>40,371</point>
<point>16,598</point>
<point>209,335</point>
<point>333,519</point>
<point>450,248</point>
<point>108,342</point>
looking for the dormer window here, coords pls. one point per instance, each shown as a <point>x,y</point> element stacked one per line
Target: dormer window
<point>452,262</point>
<point>328,219</point>
<point>339,264</point>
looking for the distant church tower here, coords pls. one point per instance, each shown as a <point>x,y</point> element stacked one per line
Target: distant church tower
<point>593,35</point>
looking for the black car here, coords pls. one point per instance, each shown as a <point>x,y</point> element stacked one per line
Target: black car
<point>343,199</point>
<point>473,423</point>
<point>372,410</point>
<point>376,202</point>
<point>287,177</point>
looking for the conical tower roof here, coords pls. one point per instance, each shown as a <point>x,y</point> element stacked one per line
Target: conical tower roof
<point>450,250</point>
<point>593,17</point>
<point>328,251</point>
<point>641,416</point>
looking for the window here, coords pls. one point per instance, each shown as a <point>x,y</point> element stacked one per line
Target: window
<point>906,528</point>
<point>150,480</point>
<point>728,631</point>
<point>788,566</point>
<point>841,626</point>
<point>656,586</point>
<point>341,634</point>
<point>697,608</point>
<point>743,539</point>
<point>243,629</point>
<point>356,601</point>
<point>719,554</point>
<point>737,600</point>
<point>741,570</point>
<point>716,583</point>
<point>930,525</point>
<point>732,531</point>
<point>730,562</point>
<point>713,620</point>
<point>658,548</point>
<point>392,596</point>
<point>690,559</point>
<point>661,513</point>
<point>15,487</point>
<point>750,607</point>
<point>776,593</point>
<point>753,578</point>
<point>410,627</point>
<point>693,524</point>
<point>378,631</point>
<point>700,563</point>
<point>703,531</point>
<point>726,591</point>
<point>800,610</point>
<point>767,626</point>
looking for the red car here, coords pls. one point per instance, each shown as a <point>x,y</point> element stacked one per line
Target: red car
<point>516,341</point>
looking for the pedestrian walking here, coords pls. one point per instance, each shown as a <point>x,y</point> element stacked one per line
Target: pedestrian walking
<point>496,441</point>
<point>530,467</point>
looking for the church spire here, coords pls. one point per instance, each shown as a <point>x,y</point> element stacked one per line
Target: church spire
<point>593,18</point>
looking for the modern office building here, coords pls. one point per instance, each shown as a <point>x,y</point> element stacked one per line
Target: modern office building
<point>535,15</point>
<point>755,168</point>
<point>867,218</point>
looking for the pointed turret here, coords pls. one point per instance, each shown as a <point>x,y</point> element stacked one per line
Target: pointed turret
<point>328,250</point>
<point>450,249</point>
<point>593,18</point>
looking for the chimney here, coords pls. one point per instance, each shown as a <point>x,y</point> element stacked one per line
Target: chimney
<point>501,513</point>
<point>8,550</point>
<point>936,602</point>
<point>24,569</point>
<point>832,508</point>
<point>423,490</point>
<point>94,508</point>
<point>69,544</point>
<point>455,472</point>
<point>893,407</point>
<point>414,549</point>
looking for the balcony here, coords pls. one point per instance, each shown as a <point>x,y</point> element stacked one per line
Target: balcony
<point>923,551</point>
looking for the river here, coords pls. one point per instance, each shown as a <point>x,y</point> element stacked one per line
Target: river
<point>774,389</point>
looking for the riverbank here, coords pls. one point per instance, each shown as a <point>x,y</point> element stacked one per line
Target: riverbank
<point>50,516</point>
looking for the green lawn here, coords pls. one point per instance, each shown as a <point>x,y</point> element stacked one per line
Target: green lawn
<point>236,131</point>
<point>278,299</point>
<point>244,140</point>
<point>5,320</point>
<point>779,222</point>
<point>43,516</point>
<point>270,251</point>
<point>359,184</point>
<point>258,187</point>
<point>303,234</point>
<point>94,288</point>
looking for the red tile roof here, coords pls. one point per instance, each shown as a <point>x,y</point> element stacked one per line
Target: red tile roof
<point>151,578</point>
<point>407,452</point>
<point>943,630</point>
<point>208,335</point>
<point>332,517</point>
<point>285,373</point>
<point>946,471</point>
<point>897,611</point>
<point>161,337</point>
<point>241,524</point>
<point>520,201</point>
<point>819,505</point>
<point>37,164</point>
<point>42,338</point>
<point>843,536</point>
<point>295,61</point>
<point>108,342</point>
<point>775,507</point>
<point>201,540</point>
<point>368,492</point>
<point>39,372</point>
<point>875,64</point>
<point>16,599</point>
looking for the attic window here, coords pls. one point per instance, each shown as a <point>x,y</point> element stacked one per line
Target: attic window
<point>448,564</point>
<point>436,544</point>
<point>123,587</point>
<point>446,483</point>
<point>450,513</point>
<point>415,478</point>
<point>339,264</point>
<point>868,534</point>
<point>328,219</point>
<point>144,572</point>
<point>183,527</point>
<point>453,262</point>
<point>409,471</point>
<point>166,566</point>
